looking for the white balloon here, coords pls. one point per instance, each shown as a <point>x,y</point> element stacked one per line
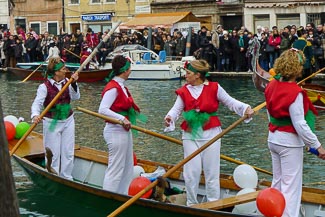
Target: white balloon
<point>12,119</point>
<point>246,208</point>
<point>137,171</point>
<point>245,176</point>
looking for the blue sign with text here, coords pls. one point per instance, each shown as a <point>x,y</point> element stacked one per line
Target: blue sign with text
<point>96,17</point>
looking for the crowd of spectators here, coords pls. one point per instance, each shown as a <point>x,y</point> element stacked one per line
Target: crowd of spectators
<point>225,50</point>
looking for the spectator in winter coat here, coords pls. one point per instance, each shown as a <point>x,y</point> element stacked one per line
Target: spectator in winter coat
<point>92,38</point>
<point>19,51</point>
<point>31,44</point>
<point>274,41</point>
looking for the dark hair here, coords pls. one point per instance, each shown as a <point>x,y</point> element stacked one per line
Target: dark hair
<point>301,31</point>
<point>117,63</point>
<point>285,34</point>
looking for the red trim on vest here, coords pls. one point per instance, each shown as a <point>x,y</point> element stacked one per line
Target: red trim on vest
<point>122,102</point>
<point>279,96</point>
<point>52,91</point>
<point>206,102</point>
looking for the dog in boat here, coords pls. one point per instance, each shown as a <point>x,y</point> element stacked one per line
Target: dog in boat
<point>159,190</point>
<point>49,156</point>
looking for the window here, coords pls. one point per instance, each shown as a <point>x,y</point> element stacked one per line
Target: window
<point>314,18</point>
<point>142,9</point>
<point>74,2</point>
<point>110,1</point>
<point>21,23</point>
<point>52,28</point>
<point>95,1</point>
<point>96,28</point>
<point>36,27</point>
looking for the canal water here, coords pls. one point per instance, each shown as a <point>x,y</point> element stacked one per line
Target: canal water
<point>246,143</point>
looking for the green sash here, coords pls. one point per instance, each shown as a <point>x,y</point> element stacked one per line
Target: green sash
<point>309,117</point>
<point>133,116</point>
<point>196,121</point>
<point>61,112</point>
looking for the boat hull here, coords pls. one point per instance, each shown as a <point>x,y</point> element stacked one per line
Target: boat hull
<point>84,76</point>
<point>105,202</point>
<point>165,71</point>
<point>86,188</point>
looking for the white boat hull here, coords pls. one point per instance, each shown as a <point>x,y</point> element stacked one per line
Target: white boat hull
<point>162,71</point>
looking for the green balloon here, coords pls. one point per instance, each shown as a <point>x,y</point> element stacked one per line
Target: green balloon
<point>21,129</point>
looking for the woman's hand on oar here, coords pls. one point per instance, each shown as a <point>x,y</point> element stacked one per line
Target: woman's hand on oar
<point>22,139</point>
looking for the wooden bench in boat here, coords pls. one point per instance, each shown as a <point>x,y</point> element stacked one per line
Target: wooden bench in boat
<point>228,202</point>
<point>91,154</point>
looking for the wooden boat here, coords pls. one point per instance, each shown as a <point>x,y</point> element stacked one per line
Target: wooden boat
<point>315,92</point>
<point>84,76</point>
<point>86,187</point>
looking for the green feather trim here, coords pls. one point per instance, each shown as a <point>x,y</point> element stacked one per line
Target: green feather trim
<point>133,116</point>
<point>196,121</point>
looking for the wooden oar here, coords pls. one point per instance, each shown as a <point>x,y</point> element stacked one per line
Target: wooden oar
<point>31,74</point>
<point>179,142</point>
<point>180,164</point>
<point>72,53</point>
<point>22,139</point>
<point>310,76</point>
<point>92,63</point>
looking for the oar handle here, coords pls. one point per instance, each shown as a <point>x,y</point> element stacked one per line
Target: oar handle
<point>312,150</point>
<point>48,107</point>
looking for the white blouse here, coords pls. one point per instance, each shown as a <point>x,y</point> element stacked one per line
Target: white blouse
<point>223,97</point>
<point>304,134</point>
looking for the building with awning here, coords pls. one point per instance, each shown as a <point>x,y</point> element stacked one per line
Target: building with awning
<point>165,20</point>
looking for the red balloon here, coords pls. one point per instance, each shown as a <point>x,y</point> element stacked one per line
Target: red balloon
<point>135,161</point>
<point>10,130</point>
<point>271,202</point>
<point>138,184</point>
